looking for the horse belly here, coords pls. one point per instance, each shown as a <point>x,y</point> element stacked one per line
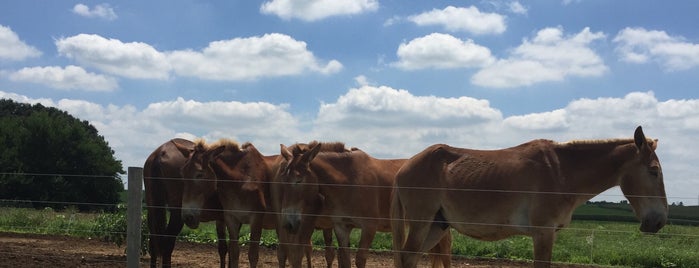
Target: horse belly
<point>490,224</point>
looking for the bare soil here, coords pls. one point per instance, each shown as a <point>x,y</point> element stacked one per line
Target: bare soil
<point>33,250</point>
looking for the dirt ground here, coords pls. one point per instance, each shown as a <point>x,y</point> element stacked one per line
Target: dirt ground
<point>31,250</point>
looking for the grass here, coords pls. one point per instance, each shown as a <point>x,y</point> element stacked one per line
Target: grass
<point>584,242</point>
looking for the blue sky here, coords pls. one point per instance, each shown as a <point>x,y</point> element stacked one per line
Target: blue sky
<point>390,77</point>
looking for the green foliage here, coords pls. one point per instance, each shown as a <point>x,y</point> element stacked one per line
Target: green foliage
<point>51,158</point>
<point>111,227</point>
<point>46,221</point>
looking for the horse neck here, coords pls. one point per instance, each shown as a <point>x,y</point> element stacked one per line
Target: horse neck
<point>588,169</point>
<point>258,173</point>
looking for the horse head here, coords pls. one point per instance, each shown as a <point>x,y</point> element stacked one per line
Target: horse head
<point>642,184</point>
<point>199,182</point>
<point>298,184</point>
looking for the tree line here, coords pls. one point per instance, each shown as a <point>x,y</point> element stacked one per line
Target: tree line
<point>48,158</point>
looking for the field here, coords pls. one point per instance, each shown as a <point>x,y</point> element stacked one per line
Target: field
<point>584,242</point>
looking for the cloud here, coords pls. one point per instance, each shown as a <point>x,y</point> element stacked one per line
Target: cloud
<point>250,58</point>
<point>131,60</point>
<point>133,133</point>
<point>462,19</point>
<point>388,122</point>
<point>638,45</point>
<point>235,59</point>
<point>69,78</point>
<point>394,122</point>
<point>546,121</point>
<point>102,11</point>
<point>549,56</point>
<point>517,8</point>
<point>317,10</point>
<point>14,49</point>
<point>441,51</point>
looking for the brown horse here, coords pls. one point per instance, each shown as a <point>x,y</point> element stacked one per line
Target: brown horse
<point>239,178</point>
<point>353,188</point>
<point>531,189</point>
<point>163,185</point>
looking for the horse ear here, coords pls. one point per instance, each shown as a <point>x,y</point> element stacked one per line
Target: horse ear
<point>285,152</point>
<point>216,151</point>
<point>655,144</point>
<point>639,138</point>
<point>184,150</point>
<point>307,157</point>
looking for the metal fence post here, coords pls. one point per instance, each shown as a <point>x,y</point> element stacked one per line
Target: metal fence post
<point>133,218</point>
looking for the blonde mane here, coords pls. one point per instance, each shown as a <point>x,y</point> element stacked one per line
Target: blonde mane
<point>652,142</point>
<point>229,143</point>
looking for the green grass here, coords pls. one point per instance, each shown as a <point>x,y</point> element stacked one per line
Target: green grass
<point>600,243</point>
<point>584,242</point>
<point>47,221</point>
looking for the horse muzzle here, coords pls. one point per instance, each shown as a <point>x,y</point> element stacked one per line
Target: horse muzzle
<point>291,221</point>
<point>653,222</point>
<point>190,218</point>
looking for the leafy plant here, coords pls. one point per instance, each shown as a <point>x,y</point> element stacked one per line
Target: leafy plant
<point>111,227</point>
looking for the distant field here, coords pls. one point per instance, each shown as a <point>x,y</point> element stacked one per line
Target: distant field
<point>681,215</point>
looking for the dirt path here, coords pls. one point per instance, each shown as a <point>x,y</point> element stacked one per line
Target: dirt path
<point>31,250</point>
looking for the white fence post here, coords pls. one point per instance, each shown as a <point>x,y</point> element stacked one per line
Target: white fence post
<point>133,217</point>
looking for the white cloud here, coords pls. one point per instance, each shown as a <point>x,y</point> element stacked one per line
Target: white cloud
<point>549,56</point>
<point>388,122</point>
<point>250,58</point>
<point>548,121</point>
<point>14,49</point>
<point>638,45</point>
<point>317,10</point>
<point>132,60</point>
<point>517,8</point>
<point>102,11</point>
<point>133,133</point>
<point>235,59</point>
<point>394,122</point>
<point>462,19</point>
<point>70,77</point>
<point>441,51</point>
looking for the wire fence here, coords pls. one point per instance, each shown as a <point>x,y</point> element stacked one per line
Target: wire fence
<point>586,238</point>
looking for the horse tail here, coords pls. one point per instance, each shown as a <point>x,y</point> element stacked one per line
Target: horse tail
<point>154,205</point>
<point>397,227</point>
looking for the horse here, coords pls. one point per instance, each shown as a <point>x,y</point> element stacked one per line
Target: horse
<point>163,186</point>
<point>238,177</point>
<point>531,189</point>
<point>353,188</point>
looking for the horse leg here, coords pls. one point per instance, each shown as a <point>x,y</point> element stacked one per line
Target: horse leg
<point>156,222</point>
<point>281,247</point>
<point>233,246</point>
<point>441,253</point>
<point>417,233</point>
<point>342,232</point>
<point>365,240</point>
<point>329,248</point>
<point>255,235</point>
<point>222,245</point>
<point>174,226</point>
<point>543,248</point>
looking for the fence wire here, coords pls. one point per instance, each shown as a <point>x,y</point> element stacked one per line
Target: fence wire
<point>593,232</point>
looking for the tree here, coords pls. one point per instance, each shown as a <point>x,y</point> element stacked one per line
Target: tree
<point>52,159</point>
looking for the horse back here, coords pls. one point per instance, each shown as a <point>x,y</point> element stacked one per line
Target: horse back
<point>161,171</point>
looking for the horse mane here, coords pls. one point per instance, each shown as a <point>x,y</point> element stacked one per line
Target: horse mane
<point>651,142</point>
<point>325,147</point>
<point>228,143</point>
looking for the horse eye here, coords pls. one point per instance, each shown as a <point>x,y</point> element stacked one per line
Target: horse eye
<point>653,171</point>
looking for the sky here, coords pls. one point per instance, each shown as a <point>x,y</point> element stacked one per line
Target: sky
<point>389,77</point>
